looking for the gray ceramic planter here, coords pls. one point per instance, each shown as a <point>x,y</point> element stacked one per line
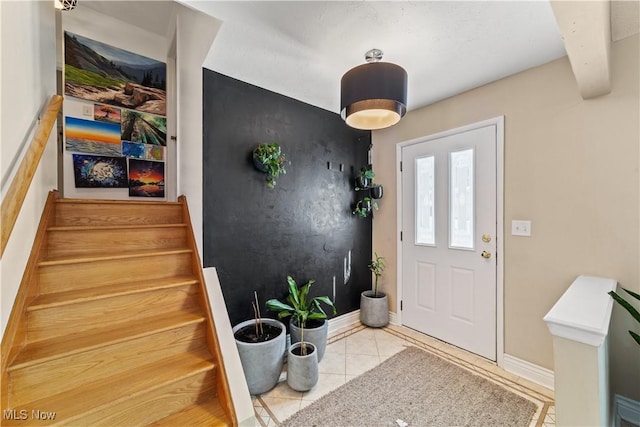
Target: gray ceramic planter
<point>374,311</point>
<point>302,371</point>
<point>316,336</point>
<point>262,362</point>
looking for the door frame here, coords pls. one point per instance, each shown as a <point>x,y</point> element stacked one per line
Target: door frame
<point>498,122</point>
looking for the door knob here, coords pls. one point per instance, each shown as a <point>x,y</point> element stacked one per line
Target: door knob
<point>485,254</point>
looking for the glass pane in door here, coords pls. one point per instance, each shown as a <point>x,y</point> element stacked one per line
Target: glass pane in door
<point>425,201</point>
<point>461,199</point>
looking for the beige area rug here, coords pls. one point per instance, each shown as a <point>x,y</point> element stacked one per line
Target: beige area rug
<point>416,388</point>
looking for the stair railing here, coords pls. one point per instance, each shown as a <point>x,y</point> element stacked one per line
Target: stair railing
<point>12,202</point>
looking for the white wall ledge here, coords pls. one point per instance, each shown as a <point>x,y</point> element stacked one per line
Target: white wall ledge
<point>583,312</point>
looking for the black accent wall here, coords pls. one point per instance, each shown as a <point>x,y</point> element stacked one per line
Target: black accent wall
<point>304,227</point>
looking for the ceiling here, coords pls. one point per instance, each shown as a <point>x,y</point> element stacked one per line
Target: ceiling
<point>301,49</point>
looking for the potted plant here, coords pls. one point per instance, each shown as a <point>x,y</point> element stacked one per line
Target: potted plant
<point>364,206</point>
<point>364,178</point>
<point>261,345</point>
<point>302,365</point>
<point>268,158</point>
<point>376,191</point>
<point>374,307</point>
<point>305,313</point>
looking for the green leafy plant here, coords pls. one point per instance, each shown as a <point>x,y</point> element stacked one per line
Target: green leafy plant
<point>366,172</point>
<point>365,178</point>
<point>631,309</point>
<point>376,266</point>
<point>364,206</point>
<point>270,160</point>
<point>300,308</point>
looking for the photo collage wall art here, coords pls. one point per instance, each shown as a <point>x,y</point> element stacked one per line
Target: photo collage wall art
<point>121,137</point>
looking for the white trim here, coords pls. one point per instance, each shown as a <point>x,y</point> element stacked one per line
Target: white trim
<point>498,122</point>
<point>344,321</point>
<point>528,370</point>
<point>398,231</point>
<point>352,319</point>
<point>583,312</point>
<point>394,319</point>
<point>625,409</point>
<point>235,374</point>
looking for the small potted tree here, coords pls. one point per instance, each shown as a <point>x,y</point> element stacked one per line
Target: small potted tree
<point>305,313</point>
<point>261,345</point>
<point>374,307</point>
<point>269,159</point>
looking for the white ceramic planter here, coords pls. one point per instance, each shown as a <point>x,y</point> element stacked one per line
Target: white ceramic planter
<point>262,362</point>
<point>316,336</point>
<point>302,371</point>
<point>374,311</point>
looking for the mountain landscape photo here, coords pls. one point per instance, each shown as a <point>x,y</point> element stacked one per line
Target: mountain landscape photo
<point>101,73</point>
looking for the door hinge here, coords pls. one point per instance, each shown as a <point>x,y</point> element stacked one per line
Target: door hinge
<point>400,305</point>
<point>400,165</point>
<point>401,236</point>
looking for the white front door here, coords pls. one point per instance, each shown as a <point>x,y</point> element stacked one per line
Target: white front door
<point>449,238</point>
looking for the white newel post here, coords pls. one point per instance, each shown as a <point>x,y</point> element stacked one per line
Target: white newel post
<point>579,323</point>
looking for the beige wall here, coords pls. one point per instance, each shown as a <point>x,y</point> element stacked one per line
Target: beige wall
<point>28,79</point>
<point>571,167</point>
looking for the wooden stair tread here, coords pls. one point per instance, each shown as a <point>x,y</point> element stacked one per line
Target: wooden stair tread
<point>42,351</point>
<point>101,394</point>
<point>206,414</point>
<point>90,294</point>
<point>110,257</point>
<point>114,227</point>
<point>115,202</point>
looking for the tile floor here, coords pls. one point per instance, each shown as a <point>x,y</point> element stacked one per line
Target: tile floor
<point>356,350</point>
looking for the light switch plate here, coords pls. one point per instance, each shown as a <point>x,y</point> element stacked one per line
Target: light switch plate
<point>521,228</point>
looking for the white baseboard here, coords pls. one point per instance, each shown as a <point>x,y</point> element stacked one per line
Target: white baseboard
<point>528,370</point>
<point>345,321</point>
<point>625,409</point>
<point>393,318</point>
<point>351,319</point>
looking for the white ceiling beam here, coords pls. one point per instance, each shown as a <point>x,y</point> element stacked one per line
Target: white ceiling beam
<point>586,31</point>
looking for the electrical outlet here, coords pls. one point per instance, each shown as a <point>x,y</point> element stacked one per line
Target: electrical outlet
<point>521,228</point>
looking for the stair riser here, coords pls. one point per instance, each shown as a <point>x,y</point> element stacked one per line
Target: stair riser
<point>77,214</point>
<point>155,404</point>
<point>63,320</point>
<point>66,277</point>
<point>62,374</point>
<point>73,243</point>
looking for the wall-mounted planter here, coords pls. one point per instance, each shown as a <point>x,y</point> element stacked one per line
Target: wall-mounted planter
<point>269,159</point>
<point>364,207</point>
<point>364,178</point>
<point>376,192</point>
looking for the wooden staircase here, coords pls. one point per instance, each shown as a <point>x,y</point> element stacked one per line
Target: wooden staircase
<point>112,324</point>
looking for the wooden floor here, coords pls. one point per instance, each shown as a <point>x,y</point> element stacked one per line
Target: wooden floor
<point>115,328</point>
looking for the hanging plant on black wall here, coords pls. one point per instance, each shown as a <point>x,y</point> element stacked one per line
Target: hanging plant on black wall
<point>364,207</point>
<point>269,159</point>
<point>364,178</point>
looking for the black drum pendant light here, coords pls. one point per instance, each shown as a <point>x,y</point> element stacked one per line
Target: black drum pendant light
<point>373,95</point>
